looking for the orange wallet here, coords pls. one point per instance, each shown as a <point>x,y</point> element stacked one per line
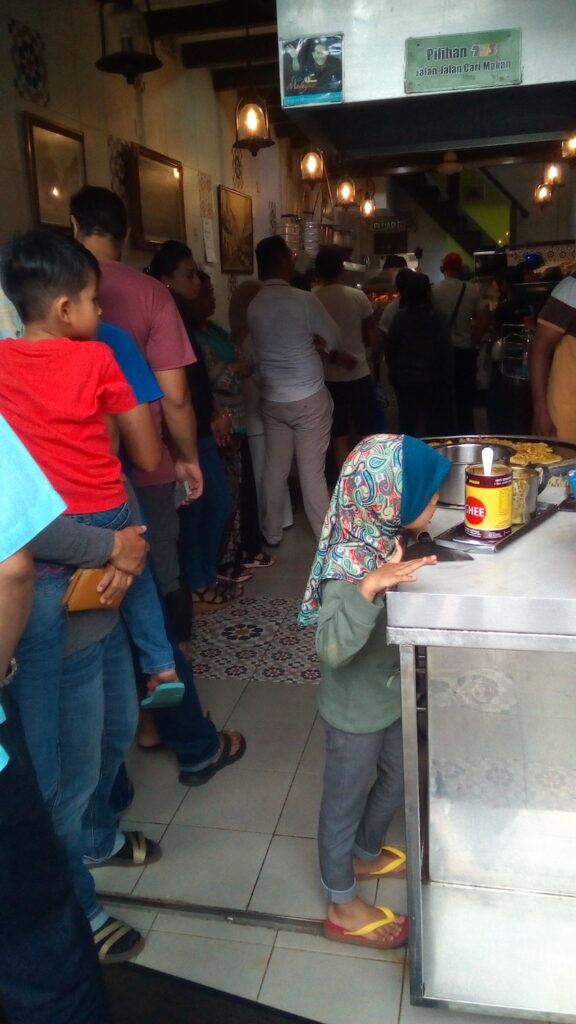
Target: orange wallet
<point>82,596</point>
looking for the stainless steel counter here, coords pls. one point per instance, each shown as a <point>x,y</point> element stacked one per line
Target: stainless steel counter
<point>490,773</point>
<point>528,588</point>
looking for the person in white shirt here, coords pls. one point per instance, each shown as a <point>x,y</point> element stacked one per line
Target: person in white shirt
<point>292,333</point>
<point>347,372</point>
<point>461,302</point>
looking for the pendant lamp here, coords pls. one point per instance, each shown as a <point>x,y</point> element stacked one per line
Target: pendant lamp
<point>542,194</point>
<point>346,193</point>
<point>312,166</point>
<point>127,46</point>
<point>252,128</point>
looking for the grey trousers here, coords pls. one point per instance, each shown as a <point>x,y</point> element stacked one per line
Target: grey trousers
<point>163,530</point>
<point>356,809</point>
<point>301,428</point>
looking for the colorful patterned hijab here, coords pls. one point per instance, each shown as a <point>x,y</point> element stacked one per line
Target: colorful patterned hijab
<point>386,482</point>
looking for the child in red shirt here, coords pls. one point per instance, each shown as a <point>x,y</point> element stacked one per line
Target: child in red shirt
<point>64,396</point>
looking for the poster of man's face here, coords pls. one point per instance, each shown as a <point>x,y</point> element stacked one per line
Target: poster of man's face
<point>312,70</point>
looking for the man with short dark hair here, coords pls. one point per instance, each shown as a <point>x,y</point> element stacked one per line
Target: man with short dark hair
<point>142,306</point>
<point>289,329</point>
<point>346,371</point>
<point>461,303</point>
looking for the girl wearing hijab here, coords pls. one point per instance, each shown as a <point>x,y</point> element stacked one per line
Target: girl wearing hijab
<point>388,483</point>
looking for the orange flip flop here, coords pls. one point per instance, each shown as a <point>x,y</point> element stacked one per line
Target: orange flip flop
<point>361,936</point>
<point>391,868</point>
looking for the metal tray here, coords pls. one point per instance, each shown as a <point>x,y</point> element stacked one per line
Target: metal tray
<point>455,537</point>
<point>563,448</point>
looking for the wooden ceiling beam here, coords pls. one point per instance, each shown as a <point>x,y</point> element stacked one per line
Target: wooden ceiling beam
<point>241,78</point>
<point>217,17</point>
<point>217,53</point>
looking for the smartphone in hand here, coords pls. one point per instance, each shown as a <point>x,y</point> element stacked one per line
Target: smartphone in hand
<point>181,492</point>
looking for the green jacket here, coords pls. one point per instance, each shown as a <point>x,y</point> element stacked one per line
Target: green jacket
<point>360,688</point>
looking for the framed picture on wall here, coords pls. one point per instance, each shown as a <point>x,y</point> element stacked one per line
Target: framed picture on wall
<point>57,167</point>
<point>236,234</point>
<point>158,197</point>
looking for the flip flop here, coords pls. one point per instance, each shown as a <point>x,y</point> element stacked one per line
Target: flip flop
<point>361,936</point>
<point>222,761</point>
<point>166,695</point>
<point>135,853</point>
<point>260,561</point>
<point>398,860</point>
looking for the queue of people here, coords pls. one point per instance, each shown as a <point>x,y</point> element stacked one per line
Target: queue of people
<point>147,428</point>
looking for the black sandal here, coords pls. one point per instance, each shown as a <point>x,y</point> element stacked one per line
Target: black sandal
<point>136,852</point>
<point>116,942</point>
<point>222,761</point>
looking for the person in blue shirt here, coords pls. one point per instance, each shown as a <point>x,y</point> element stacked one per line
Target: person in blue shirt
<point>48,963</point>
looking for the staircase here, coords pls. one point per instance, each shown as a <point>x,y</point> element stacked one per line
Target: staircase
<point>447,213</point>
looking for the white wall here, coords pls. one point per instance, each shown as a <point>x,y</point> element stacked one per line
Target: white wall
<point>177,113</point>
<point>375,32</point>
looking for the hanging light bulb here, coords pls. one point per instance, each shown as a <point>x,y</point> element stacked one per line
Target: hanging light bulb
<point>252,130</point>
<point>345,193</point>
<point>312,166</point>
<point>368,204</point>
<point>569,148</point>
<point>542,194</point>
<point>553,175</point>
<point>127,46</point>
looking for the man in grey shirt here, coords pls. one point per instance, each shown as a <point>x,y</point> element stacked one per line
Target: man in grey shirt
<point>292,333</point>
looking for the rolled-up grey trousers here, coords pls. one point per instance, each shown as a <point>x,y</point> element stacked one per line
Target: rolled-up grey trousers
<point>301,428</point>
<point>356,808</point>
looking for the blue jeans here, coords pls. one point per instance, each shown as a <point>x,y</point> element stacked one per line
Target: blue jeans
<point>203,522</point>
<point>49,971</point>
<point>79,716</point>
<point>141,608</point>
<point>356,810</point>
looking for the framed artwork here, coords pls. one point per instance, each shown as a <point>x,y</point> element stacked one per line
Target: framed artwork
<point>158,197</point>
<point>236,236</point>
<point>57,169</point>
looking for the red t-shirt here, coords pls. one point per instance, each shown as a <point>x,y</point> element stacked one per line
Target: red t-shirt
<point>55,394</point>
<point>144,307</point>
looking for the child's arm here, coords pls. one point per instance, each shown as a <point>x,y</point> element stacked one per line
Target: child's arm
<point>348,615</point>
<point>140,437</point>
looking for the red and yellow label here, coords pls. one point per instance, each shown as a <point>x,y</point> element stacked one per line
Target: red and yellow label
<point>488,506</point>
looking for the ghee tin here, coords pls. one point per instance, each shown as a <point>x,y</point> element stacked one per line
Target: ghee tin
<point>488,507</point>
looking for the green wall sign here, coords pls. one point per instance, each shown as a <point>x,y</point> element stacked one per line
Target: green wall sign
<point>474,60</point>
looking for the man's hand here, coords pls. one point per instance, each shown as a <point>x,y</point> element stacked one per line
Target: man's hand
<point>190,473</point>
<point>130,550</point>
<point>114,583</point>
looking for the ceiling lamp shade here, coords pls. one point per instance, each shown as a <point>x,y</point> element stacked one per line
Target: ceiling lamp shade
<point>569,148</point>
<point>553,175</point>
<point>345,193</point>
<point>312,166</point>
<point>127,46</point>
<point>252,130</point>
<point>367,206</point>
<point>542,194</point>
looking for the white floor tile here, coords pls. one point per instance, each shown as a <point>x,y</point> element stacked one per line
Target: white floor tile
<point>236,967</point>
<point>313,757</point>
<point>219,697</point>
<point>333,989</point>
<point>300,814</point>
<point>158,792</point>
<point>214,928</point>
<point>237,798</point>
<point>318,944</point>
<point>208,866</point>
<point>289,882</point>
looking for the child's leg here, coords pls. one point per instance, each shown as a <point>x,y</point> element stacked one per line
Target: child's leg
<point>144,619</point>
<point>351,760</point>
<point>384,798</point>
